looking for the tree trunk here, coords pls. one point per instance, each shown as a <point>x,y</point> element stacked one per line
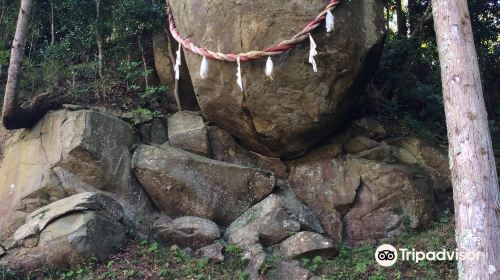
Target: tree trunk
<point>2,12</point>
<point>144,63</point>
<point>99,40</point>
<point>402,20</point>
<point>52,25</point>
<point>474,178</point>
<point>412,15</point>
<point>10,102</point>
<point>13,115</point>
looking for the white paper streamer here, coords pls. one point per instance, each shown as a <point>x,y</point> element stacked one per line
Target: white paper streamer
<point>330,21</point>
<point>313,53</point>
<point>238,74</point>
<point>269,67</point>
<point>204,68</point>
<point>178,63</point>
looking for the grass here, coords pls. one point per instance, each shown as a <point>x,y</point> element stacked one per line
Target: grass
<point>142,260</point>
<point>359,263</point>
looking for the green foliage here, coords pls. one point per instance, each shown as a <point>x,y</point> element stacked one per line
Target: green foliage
<point>269,265</point>
<point>69,65</point>
<point>313,265</point>
<point>79,273</point>
<point>236,261</point>
<point>7,274</point>
<point>153,248</point>
<point>407,88</point>
<point>4,57</point>
<point>143,115</point>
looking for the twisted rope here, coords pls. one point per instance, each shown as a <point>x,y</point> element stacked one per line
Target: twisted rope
<point>251,55</point>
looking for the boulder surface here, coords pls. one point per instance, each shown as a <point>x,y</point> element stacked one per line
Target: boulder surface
<point>192,232</point>
<point>70,152</point>
<point>67,232</point>
<point>298,108</point>
<point>185,184</point>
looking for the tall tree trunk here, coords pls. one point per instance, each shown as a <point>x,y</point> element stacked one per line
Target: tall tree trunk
<point>10,102</point>
<point>412,15</point>
<point>402,20</point>
<point>2,12</point>
<point>144,63</point>
<point>52,25</point>
<point>99,40</point>
<point>13,115</point>
<point>474,178</point>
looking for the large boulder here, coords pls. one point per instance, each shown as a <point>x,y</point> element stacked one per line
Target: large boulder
<point>67,232</point>
<point>375,199</point>
<point>274,218</point>
<point>297,108</point>
<point>70,152</point>
<point>181,183</point>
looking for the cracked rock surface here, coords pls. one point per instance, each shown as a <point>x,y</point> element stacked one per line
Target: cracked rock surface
<point>66,232</point>
<point>66,153</point>
<point>295,110</point>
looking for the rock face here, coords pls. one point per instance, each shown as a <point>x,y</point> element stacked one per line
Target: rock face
<point>273,219</point>
<point>376,199</point>
<point>267,223</point>
<point>181,183</point>
<point>192,232</point>
<point>70,152</point>
<point>298,108</point>
<point>165,70</point>
<point>154,132</point>
<point>66,232</point>
<point>187,131</point>
<point>367,190</point>
<point>225,148</point>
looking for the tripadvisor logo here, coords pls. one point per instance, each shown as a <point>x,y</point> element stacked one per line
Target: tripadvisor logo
<point>386,255</point>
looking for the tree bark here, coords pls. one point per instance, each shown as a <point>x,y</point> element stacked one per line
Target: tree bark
<point>401,19</point>
<point>52,25</point>
<point>472,163</point>
<point>13,115</point>
<point>2,12</point>
<point>144,63</point>
<point>10,102</point>
<point>99,39</point>
<point>412,15</point>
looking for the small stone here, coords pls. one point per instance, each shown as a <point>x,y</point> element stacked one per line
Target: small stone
<point>290,270</point>
<point>307,244</point>
<point>158,134</point>
<point>213,252</point>
<point>187,131</point>
<point>192,232</point>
